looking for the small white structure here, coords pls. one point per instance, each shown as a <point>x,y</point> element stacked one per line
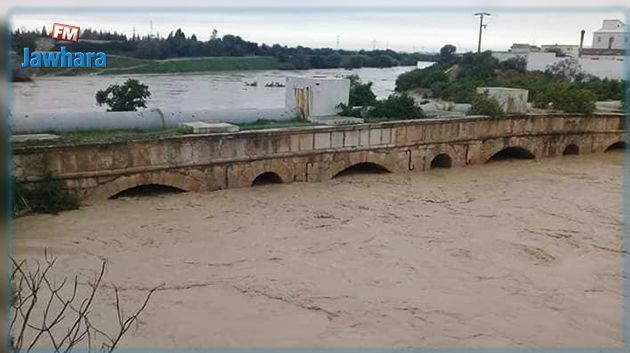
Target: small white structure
<point>511,100</point>
<point>612,35</point>
<point>571,50</point>
<point>201,127</point>
<point>316,96</point>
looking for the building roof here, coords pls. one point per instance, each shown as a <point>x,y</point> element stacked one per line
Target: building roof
<point>603,52</point>
<point>612,26</point>
<point>616,30</point>
<point>559,45</point>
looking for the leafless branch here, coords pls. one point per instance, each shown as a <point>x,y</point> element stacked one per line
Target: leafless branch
<point>44,314</point>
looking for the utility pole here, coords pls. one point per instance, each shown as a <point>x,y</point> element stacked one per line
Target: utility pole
<point>337,42</point>
<point>374,44</point>
<point>481,27</point>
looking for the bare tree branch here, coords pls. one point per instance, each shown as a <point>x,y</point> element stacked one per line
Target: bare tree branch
<point>64,322</point>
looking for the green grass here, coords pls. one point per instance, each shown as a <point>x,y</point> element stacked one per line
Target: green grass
<point>123,65</point>
<point>118,65</point>
<point>93,136</point>
<point>46,196</point>
<point>88,136</point>
<point>119,61</point>
<point>273,124</point>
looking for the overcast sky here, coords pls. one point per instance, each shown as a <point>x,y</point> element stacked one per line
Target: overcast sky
<point>402,25</point>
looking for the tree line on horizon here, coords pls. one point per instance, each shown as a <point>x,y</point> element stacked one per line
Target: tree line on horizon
<point>177,45</point>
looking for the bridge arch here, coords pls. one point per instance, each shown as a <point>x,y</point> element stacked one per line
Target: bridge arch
<point>571,149</point>
<point>123,183</point>
<point>384,162</point>
<point>619,145</point>
<point>266,178</point>
<point>511,152</point>
<point>362,167</point>
<point>262,172</point>
<point>441,160</point>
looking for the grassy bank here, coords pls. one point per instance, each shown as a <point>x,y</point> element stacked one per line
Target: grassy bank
<point>273,124</point>
<point>89,136</point>
<point>122,65</point>
<point>118,65</point>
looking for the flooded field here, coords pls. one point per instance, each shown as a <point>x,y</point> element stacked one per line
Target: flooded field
<point>508,254</point>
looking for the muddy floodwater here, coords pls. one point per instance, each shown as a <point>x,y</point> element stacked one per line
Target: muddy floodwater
<point>213,90</point>
<point>508,254</point>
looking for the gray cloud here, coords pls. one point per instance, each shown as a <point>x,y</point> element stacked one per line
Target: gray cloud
<point>358,27</point>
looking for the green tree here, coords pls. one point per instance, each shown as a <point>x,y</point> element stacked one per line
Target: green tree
<point>332,60</point>
<point>360,93</point>
<point>421,78</point>
<point>478,66</point>
<point>569,69</point>
<point>447,51</point>
<point>356,61</point>
<point>396,107</point>
<point>129,96</point>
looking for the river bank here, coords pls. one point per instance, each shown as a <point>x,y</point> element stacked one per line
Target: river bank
<point>502,255</point>
<point>126,65</point>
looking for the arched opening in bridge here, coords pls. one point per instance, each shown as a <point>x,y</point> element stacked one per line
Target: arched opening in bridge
<point>511,153</point>
<point>362,168</point>
<point>147,190</point>
<point>266,179</point>
<point>571,149</point>
<point>617,146</point>
<point>442,160</point>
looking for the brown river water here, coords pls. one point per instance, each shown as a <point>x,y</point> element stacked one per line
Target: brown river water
<point>508,254</point>
<point>194,91</point>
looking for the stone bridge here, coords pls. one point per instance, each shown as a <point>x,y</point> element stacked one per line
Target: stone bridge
<point>97,171</point>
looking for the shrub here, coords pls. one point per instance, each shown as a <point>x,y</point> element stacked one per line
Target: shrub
<point>518,64</point>
<point>484,105</point>
<point>357,112</point>
<point>478,66</point>
<point>604,89</point>
<point>129,96</point>
<point>421,78</point>
<point>395,107</point>
<point>46,196</point>
<point>535,83</point>
<point>568,97</point>
<point>360,93</point>
<point>462,90</point>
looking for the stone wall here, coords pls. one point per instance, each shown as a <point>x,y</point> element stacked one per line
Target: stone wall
<point>219,161</point>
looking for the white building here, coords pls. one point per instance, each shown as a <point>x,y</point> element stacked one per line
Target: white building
<point>612,35</point>
<point>604,60</point>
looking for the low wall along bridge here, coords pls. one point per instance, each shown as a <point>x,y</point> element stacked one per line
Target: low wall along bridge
<point>97,171</point>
